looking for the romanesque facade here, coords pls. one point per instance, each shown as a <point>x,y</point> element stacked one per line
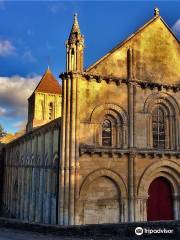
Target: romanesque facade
<point>114,154</point>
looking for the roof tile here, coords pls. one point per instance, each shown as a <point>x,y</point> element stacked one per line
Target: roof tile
<point>48,84</point>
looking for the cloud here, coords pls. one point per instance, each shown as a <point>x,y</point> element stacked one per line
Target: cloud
<point>2,4</point>
<point>14,92</point>
<point>6,48</point>
<point>57,7</point>
<point>176,27</point>
<point>2,111</point>
<point>28,57</point>
<point>20,125</point>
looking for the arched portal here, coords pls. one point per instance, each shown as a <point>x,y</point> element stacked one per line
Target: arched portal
<point>160,200</point>
<point>101,203</point>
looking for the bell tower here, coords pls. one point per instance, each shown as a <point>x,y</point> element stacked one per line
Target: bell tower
<point>75,48</point>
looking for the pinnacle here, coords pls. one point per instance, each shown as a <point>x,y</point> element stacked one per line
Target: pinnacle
<point>75,26</point>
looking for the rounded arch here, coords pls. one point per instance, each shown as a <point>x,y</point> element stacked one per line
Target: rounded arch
<point>165,100</point>
<point>165,168</point>
<point>108,109</point>
<point>104,173</point>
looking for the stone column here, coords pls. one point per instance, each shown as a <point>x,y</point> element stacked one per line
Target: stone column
<point>149,130</point>
<point>124,136</point>
<point>176,207</point>
<point>177,131</point>
<point>131,187</point>
<point>65,152</point>
<point>171,136</point>
<point>131,115</point>
<point>68,149</point>
<point>141,208</point>
<point>131,135</point>
<point>123,210</point>
<point>130,98</point>
<point>62,152</point>
<point>72,150</point>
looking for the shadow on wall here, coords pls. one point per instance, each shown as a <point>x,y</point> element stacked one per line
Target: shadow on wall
<point>2,152</point>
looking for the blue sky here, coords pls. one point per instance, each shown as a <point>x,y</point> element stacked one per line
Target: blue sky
<point>33,31</point>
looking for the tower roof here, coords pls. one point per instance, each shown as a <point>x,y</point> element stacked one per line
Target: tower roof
<point>48,84</point>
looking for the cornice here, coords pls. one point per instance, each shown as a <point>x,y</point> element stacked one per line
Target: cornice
<point>137,82</point>
<point>35,132</point>
<point>88,149</point>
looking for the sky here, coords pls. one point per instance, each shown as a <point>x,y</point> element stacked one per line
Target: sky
<point>33,35</point>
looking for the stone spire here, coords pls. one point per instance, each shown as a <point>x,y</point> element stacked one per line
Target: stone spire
<point>75,26</point>
<point>75,48</point>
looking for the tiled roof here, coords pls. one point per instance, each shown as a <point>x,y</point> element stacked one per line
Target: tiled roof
<point>48,84</point>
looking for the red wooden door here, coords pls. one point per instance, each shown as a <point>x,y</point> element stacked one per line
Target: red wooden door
<point>160,202</point>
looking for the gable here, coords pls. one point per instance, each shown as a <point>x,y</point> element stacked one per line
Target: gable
<point>156,55</point>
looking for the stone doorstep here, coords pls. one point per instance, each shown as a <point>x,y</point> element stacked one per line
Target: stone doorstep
<point>112,231</point>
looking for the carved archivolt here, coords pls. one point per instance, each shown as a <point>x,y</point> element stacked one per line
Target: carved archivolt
<point>108,109</point>
<point>104,173</point>
<point>166,100</point>
<point>119,121</point>
<point>164,168</point>
<point>171,111</point>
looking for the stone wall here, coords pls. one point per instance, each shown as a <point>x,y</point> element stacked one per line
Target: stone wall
<point>1,170</point>
<point>156,54</point>
<point>30,189</point>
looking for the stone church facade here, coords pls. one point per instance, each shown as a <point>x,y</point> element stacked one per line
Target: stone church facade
<point>104,147</point>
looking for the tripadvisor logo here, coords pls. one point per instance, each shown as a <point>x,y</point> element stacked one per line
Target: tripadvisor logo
<point>139,231</point>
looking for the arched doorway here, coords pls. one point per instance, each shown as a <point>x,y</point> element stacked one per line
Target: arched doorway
<point>101,203</point>
<point>160,201</point>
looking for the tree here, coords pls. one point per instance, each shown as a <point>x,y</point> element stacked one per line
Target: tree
<point>2,131</point>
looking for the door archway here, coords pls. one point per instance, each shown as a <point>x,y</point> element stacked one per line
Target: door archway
<point>160,200</point>
<point>102,202</point>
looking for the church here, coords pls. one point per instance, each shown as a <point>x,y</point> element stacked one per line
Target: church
<point>105,146</point>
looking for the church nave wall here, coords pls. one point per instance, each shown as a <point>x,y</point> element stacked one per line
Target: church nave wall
<point>30,176</point>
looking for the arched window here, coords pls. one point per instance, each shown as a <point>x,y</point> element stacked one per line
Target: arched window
<point>51,111</point>
<point>106,133</point>
<point>158,128</point>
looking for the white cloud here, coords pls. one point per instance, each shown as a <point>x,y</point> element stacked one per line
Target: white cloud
<point>14,92</point>
<point>6,48</point>
<point>2,111</point>
<point>57,7</point>
<point>2,4</point>
<point>176,27</point>
<point>28,57</point>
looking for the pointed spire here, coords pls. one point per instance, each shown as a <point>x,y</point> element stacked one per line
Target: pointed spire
<point>75,48</point>
<point>75,27</point>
